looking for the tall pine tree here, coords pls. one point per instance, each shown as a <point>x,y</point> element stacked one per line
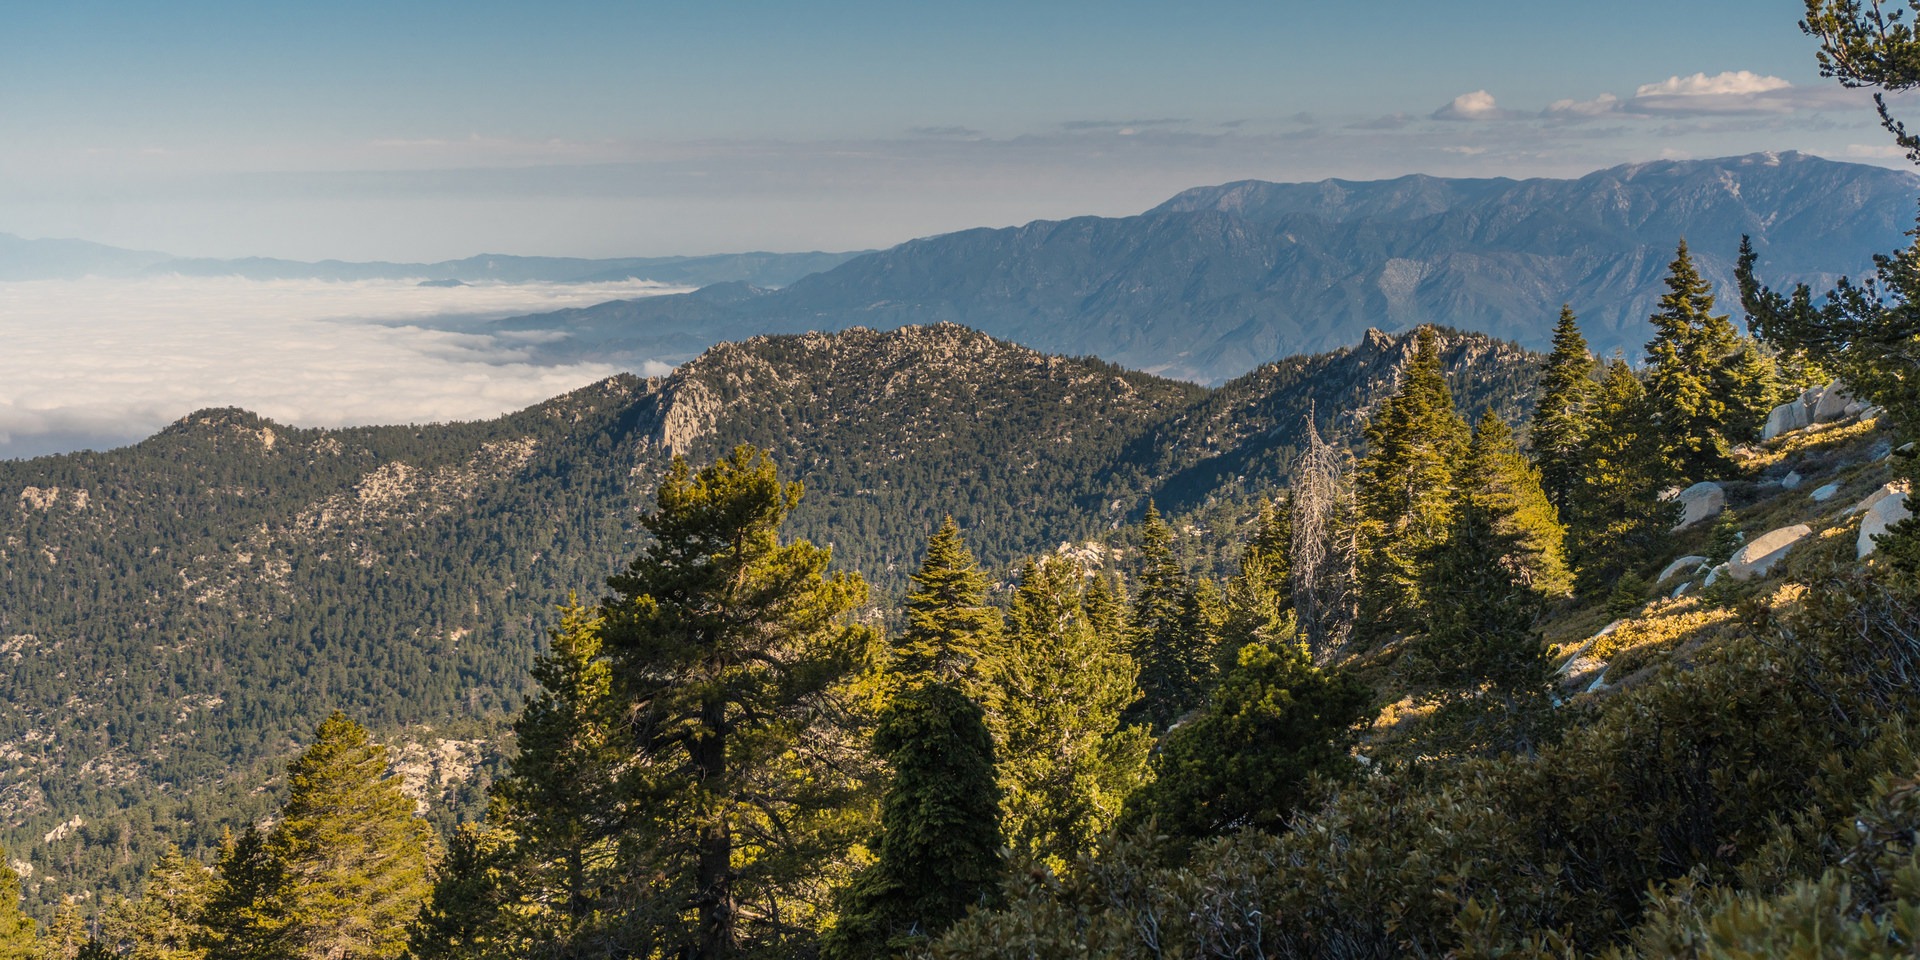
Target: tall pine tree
<point>1689,374</point>
<point>1618,521</point>
<point>950,627</point>
<point>1481,657</point>
<point>939,846</point>
<point>1564,415</point>
<point>1404,491</point>
<point>559,798</point>
<point>1173,639</point>
<point>351,858</point>
<point>1259,600</point>
<point>1497,478</point>
<point>1055,698</point>
<point>727,648</point>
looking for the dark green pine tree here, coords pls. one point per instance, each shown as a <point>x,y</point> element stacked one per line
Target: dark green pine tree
<point>1403,492</point>
<point>1753,385</point>
<point>1245,760</point>
<point>1172,637</point>
<point>1688,363</point>
<point>1500,480</point>
<point>1564,415</point>
<point>939,847</point>
<point>1618,523</point>
<point>468,917</point>
<point>950,626</point>
<point>241,920</point>
<point>348,857</point>
<point>1481,657</point>
<point>727,648</point>
<point>17,939</point>
<point>1259,599</point>
<point>1106,606</point>
<point>559,798</point>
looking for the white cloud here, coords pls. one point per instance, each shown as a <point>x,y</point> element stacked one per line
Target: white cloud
<point>105,362</point>
<point>1732,82</point>
<point>1599,106</point>
<point>1734,91</point>
<point>1478,105</point>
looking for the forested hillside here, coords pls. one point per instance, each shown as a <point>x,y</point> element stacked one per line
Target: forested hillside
<point>176,615</point>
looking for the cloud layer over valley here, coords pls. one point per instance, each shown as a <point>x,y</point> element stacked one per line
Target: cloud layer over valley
<point>100,363</point>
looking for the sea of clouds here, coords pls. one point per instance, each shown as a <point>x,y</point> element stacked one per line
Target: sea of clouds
<point>99,363</point>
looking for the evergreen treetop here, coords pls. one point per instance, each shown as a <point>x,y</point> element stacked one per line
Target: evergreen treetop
<point>950,627</point>
<point>1498,479</point>
<point>349,858</point>
<point>1564,416</point>
<point>1687,374</point>
<point>1403,489</point>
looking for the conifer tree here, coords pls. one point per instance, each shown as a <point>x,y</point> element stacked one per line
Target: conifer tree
<point>1619,521</point>
<point>1753,384</point>
<point>66,935</point>
<point>1485,664</point>
<point>1259,600</point>
<point>1404,490</point>
<point>1172,642</point>
<point>559,796</point>
<point>1106,606</point>
<point>1688,375</point>
<point>165,923</point>
<point>950,627</point>
<point>348,858</point>
<point>1055,697</point>
<point>939,846</point>
<point>469,915</point>
<point>17,939</point>
<point>241,920</point>
<point>1497,478</point>
<point>1275,721</point>
<point>727,646</point>
<point>1564,415</point>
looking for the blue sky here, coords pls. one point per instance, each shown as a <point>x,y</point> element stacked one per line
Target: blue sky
<point>429,130</point>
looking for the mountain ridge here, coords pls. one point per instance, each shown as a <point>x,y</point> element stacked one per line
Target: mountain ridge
<point>1218,280</point>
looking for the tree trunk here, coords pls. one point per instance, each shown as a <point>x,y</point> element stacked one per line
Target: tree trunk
<point>715,878</point>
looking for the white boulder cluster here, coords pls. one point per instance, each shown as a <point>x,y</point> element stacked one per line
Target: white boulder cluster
<point>1817,405</point>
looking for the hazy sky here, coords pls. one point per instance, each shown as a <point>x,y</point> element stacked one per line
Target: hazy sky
<point>415,130</point>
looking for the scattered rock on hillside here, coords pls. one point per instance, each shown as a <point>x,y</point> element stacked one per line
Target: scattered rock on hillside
<point>1792,481</point>
<point>1760,554</point>
<point>1832,404</point>
<point>1825,493</point>
<point>1786,418</point>
<point>1688,565</point>
<point>1714,575</point>
<point>1699,502</point>
<point>1886,490</point>
<point>1886,511</point>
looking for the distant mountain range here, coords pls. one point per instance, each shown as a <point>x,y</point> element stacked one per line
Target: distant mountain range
<point>22,259</point>
<point>175,614</point>
<point>1218,280</point>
